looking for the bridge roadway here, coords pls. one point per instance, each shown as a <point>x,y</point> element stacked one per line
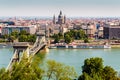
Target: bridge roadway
<point>40,43</point>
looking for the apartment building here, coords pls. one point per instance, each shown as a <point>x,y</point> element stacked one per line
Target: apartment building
<point>9,29</point>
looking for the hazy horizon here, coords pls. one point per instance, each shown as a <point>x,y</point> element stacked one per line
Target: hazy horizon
<point>70,8</point>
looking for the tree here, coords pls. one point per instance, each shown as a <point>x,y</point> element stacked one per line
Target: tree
<point>4,75</point>
<point>26,37</point>
<point>26,69</point>
<point>60,35</point>
<point>11,38</point>
<point>68,39</point>
<point>76,35</point>
<point>81,34</point>
<point>85,76</point>
<point>30,68</point>
<point>6,36</point>
<point>57,39</point>
<point>109,73</point>
<point>22,38</point>
<point>92,65</point>
<point>23,32</point>
<point>93,69</point>
<point>59,71</point>
<point>86,40</point>
<point>31,38</point>
<point>15,34</point>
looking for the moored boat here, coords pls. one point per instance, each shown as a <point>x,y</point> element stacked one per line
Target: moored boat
<point>80,46</point>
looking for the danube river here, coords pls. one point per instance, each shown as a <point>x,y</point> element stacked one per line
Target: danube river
<point>5,56</point>
<point>72,57</point>
<point>76,57</point>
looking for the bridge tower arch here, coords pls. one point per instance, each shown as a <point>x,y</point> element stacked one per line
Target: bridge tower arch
<point>19,48</point>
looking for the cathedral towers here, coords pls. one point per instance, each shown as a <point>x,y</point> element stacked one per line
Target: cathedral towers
<point>61,19</point>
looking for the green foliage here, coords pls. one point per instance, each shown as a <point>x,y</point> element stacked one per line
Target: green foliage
<point>26,69</point>
<point>5,36</point>
<point>60,35</point>
<point>59,71</point>
<point>15,34</point>
<point>109,73</point>
<point>85,76</point>
<point>86,40</point>
<point>70,36</point>
<point>57,39</point>
<point>68,39</point>
<point>81,34</point>
<point>92,65</point>
<point>77,34</point>
<point>70,33</point>
<point>23,32</point>
<point>93,69</point>
<point>23,36</point>
<point>11,38</point>
<point>31,38</point>
<point>4,75</point>
<point>26,37</point>
<point>31,68</point>
<point>2,40</point>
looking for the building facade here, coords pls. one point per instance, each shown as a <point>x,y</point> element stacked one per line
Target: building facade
<point>111,32</point>
<point>9,29</point>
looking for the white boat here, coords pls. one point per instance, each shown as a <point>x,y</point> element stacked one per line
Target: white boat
<point>107,46</point>
<point>80,46</point>
<point>3,46</point>
<point>52,47</point>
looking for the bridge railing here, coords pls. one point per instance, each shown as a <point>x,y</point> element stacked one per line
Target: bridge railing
<point>37,39</point>
<point>38,45</point>
<point>37,49</point>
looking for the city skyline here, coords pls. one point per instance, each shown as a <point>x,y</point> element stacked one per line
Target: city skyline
<point>71,8</point>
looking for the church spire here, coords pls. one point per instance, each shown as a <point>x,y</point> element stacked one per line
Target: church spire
<point>60,12</point>
<point>54,20</point>
<point>64,19</point>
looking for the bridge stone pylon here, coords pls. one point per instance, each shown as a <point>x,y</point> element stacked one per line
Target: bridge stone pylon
<point>19,49</point>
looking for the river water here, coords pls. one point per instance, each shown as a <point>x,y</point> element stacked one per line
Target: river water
<point>76,57</point>
<point>72,57</point>
<point>5,56</point>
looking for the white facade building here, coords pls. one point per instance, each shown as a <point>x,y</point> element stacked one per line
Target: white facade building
<point>9,29</point>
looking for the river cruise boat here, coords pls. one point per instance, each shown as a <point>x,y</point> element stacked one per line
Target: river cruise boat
<point>80,46</point>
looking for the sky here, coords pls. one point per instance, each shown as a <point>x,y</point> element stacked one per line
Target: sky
<point>70,8</point>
